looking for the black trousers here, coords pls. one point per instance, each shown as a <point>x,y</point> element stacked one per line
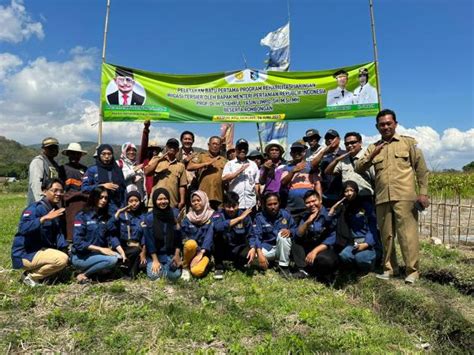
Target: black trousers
<point>222,251</point>
<point>133,256</point>
<point>324,265</point>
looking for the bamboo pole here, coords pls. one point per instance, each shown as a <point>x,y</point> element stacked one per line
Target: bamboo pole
<point>376,56</point>
<point>104,45</point>
<point>459,218</point>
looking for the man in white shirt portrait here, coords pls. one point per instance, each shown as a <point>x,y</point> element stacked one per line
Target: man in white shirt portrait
<point>340,95</point>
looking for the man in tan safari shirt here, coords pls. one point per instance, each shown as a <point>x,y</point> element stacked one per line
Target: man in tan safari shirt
<point>399,168</point>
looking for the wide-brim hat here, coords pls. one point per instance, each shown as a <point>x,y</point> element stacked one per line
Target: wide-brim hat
<point>274,143</point>
<point>74,147</point>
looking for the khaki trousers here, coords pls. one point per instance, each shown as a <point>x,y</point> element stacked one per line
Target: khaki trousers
<point>400,219</point>
<point>189,252</point>
<point>46,262</point>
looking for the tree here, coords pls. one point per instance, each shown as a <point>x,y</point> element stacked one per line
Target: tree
<point>468,167</point>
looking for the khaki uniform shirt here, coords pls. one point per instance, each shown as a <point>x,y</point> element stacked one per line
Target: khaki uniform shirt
<point>398,167</point>
<point>210,178</point>
<point>171,176</point>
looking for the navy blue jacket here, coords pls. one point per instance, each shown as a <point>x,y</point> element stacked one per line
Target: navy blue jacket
<point>265,229</point>
<point>322,230</point>
<point>150,240</point>
<point>92,229</point>
<point>236,236</point>
<point>126,220</point>
<point>202,234</point>
<point>33,236</point>
<point>90,181</point>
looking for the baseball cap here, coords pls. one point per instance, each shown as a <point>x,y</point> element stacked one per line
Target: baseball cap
<point>49,141</point>
<point>172,142</point>
<point>242,141</point>
<point>311,133</point>
<point>298,145</point>
<point>331,133</point>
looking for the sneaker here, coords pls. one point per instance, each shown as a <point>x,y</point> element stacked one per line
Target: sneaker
<point>218,274</point>
<point>28,281</point>
<point>300,274</point>
<point>186,275</point>
<point>385,276</point>
<point>284,271</point>
<point>412,278</point>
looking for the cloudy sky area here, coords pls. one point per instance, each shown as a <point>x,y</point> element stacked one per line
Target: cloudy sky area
<point>50,54</point>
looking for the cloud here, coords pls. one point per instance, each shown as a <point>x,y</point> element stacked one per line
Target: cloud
<point>8,63</point>
<point>452,149</point>
<point>17,24</point>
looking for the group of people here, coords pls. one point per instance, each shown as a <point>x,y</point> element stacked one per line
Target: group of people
<point>173,211</point>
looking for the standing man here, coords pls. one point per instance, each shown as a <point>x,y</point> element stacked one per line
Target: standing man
<point>271,170</point>
<point>298,178</point>
<point>399,168</point>
<point>209,167</point>
<point>73,172</point>
<point>365,93</point>
<point>340,95</point>
<point>42,168</point>
<point>169,174</point>
<point>344,165</point>
<point>243,176</point>
<point>331,184</point>
<point>312,137</point>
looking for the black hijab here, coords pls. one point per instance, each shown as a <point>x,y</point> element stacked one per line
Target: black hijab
<point>162,218</point>
<point>344,235</point>
<point>116,175</point>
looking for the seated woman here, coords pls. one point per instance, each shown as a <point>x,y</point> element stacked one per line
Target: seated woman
<point>357,232</point>
<point>132,171</point>
<point>313,247</point>
<point>197,228</point>
<point>272,233</point>
<point>130,221</point>
<point>38,244</point>
<point>163,238</point>
<point>106,173</point>
<point>232,229</point>
<point>94,233</point>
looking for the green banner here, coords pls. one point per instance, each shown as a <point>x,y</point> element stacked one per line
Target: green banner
<point>238,96</point>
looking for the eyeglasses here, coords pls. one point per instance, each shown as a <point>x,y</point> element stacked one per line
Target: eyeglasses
<point>57,191</point>
<point>351,143</point>
<point>124,79</point>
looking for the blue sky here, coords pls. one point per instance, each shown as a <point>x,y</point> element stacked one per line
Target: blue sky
<point>51,50</point>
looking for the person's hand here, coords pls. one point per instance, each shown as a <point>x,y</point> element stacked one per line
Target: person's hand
<point>110,186</point>
<point>285,233</point>
<point>310,257</point>
<point>107,251</point>
<point>334,207</point>
<point>268,164</point>
<point>300,166</point>
<point>378,149</point>
<point>197,258</point>
<point>243,167</point>
<point>244,214</point>
<point>251,256</point>
<point>361,246</point>
<point>177,261</point>
<point>424,200</point>
<point>53,214</point>
<point>212,161</point>
<point>155,267</point>
<point>124,257</point>
<point>312,216</point>
<point>343,156</point>
<point>142,257</point>
<point>181,205</point>
<point>138,167</point>
<point>262,261</point>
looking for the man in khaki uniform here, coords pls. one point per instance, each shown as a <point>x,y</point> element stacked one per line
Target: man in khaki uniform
<point>209,166</point>
<point>399,166</point>
<point>170,174</point>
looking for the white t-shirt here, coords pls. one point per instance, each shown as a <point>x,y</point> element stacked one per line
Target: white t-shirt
<point>244,183</point>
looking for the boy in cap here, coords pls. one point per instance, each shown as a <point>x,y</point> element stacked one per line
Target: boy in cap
<point>169,173</point>
<point>42,168</point>
<point>312,137</point>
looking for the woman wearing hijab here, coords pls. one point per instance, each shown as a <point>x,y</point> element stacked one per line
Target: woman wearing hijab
<point>130,221</point>
<point>106,173</point>
<point>197,228</point>
<point>163,238</point>
<point>94,238</point>
<point>131,169</point>
<point>356,230</point>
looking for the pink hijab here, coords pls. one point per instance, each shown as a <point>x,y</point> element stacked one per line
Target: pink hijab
<point>206,213</point>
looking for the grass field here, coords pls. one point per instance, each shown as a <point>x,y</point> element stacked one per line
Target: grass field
<point>242,313</point>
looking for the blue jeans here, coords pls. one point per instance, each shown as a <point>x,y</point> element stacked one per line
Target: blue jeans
<point>166,270</point>
<point>92,263</point>
<point>364,260</point>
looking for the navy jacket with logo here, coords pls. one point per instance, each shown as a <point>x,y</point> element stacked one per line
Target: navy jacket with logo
<point>265,229</point>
